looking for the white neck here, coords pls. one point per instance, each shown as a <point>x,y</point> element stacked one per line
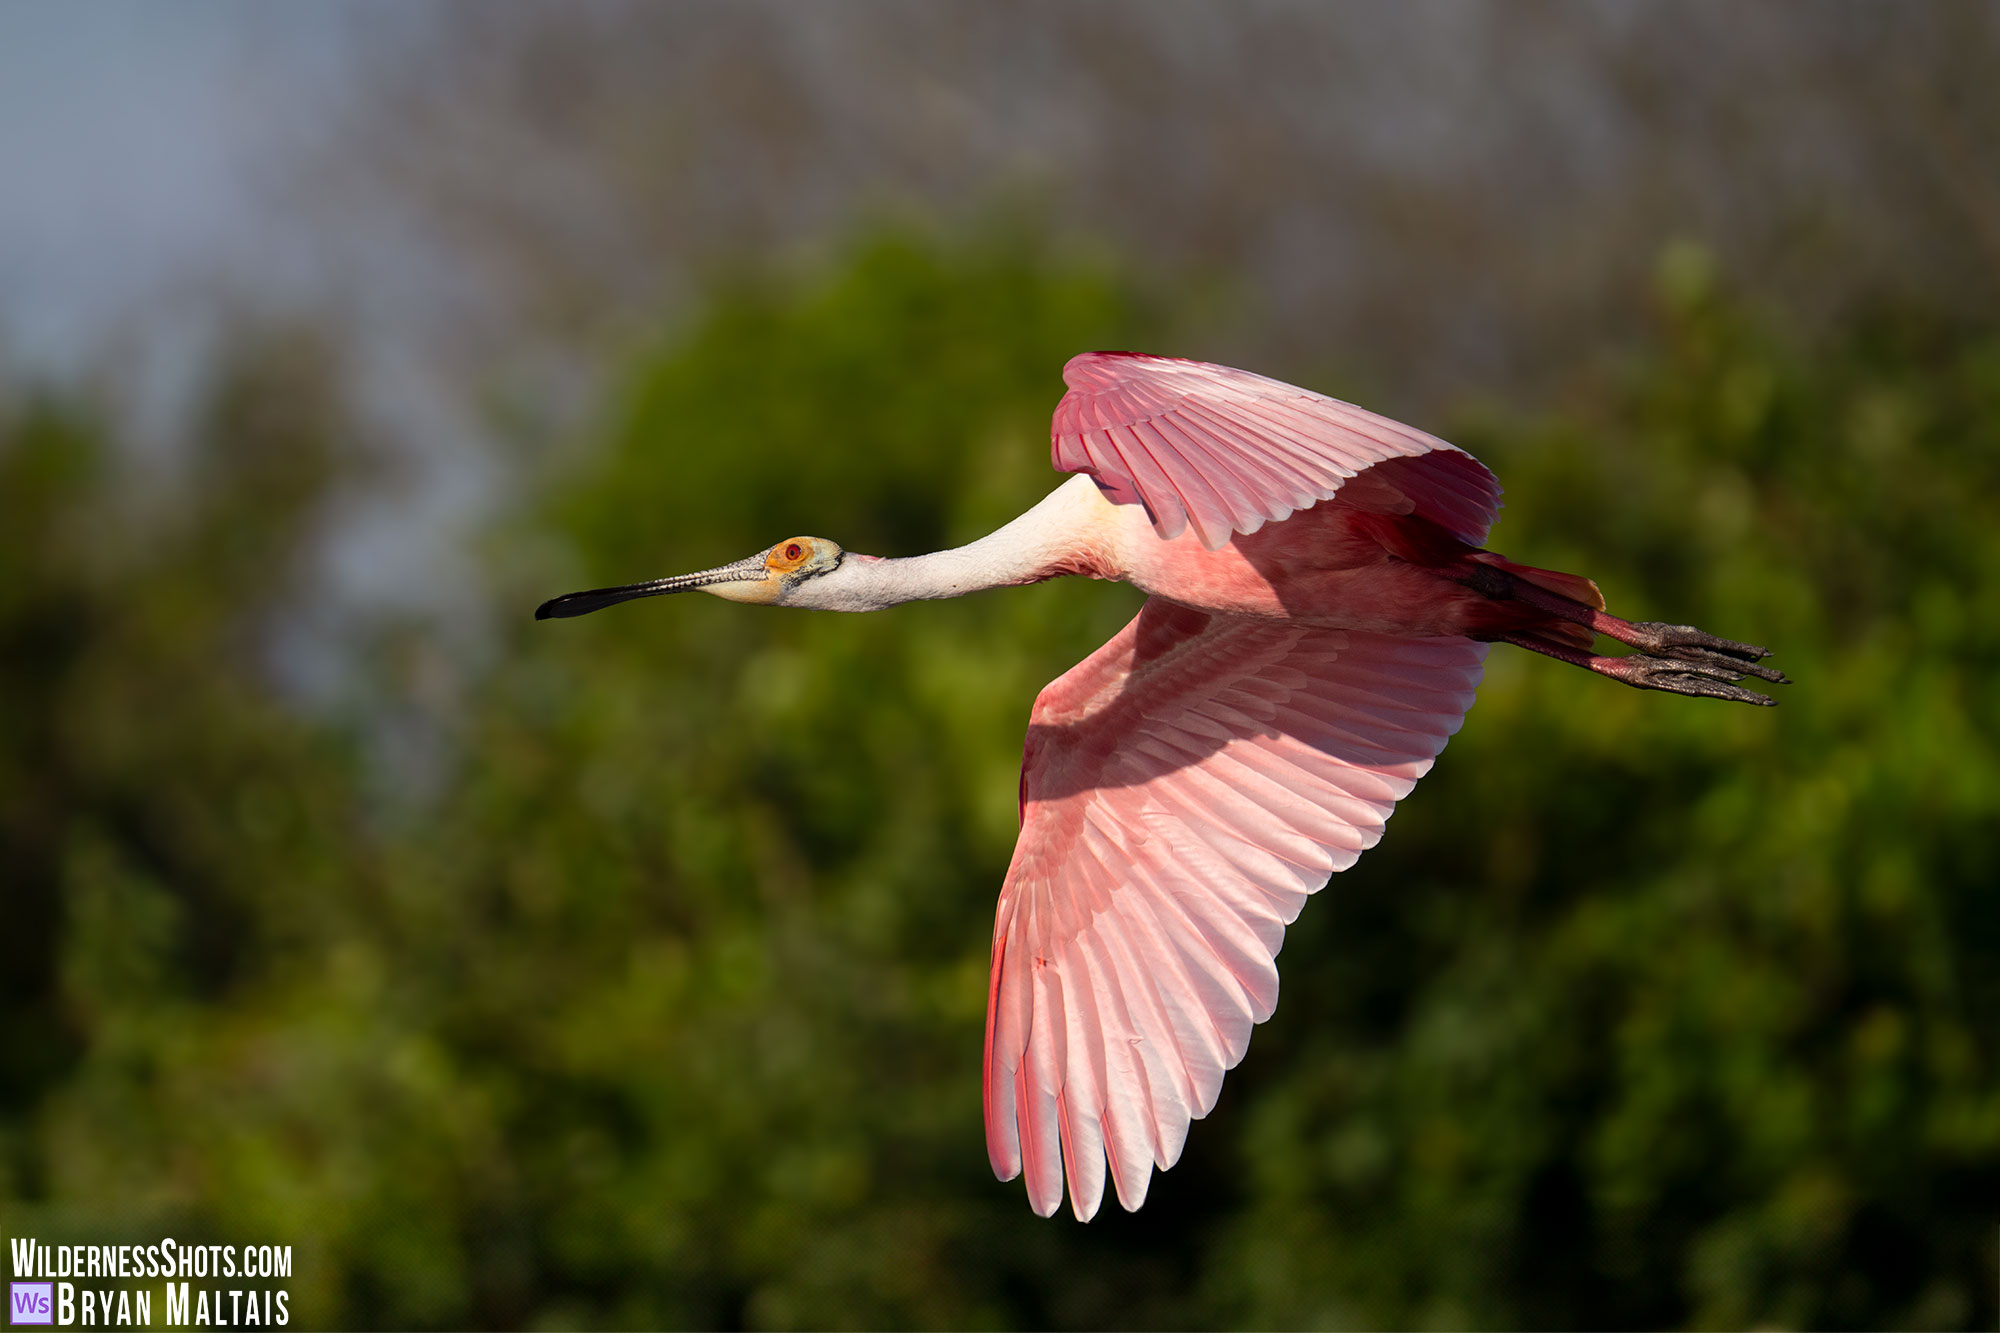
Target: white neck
<point>1069,532</point>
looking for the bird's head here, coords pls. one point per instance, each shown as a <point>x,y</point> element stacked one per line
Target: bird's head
<point>779,575</point>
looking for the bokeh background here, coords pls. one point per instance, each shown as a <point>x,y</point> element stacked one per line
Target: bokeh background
<point>630,971</point>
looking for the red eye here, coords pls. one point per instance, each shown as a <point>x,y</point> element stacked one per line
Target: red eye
<point>794,551</point>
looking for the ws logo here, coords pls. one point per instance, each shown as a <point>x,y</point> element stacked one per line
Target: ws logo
<point>32,1303</point>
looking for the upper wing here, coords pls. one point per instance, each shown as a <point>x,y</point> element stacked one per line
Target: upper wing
<point>1185,787</point>
<point>1228,451</point>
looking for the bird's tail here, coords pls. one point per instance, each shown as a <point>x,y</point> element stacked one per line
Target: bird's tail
<point>1573,587</point>
<point>1497,612</point>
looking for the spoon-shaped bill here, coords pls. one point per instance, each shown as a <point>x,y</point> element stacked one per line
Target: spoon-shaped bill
<point>750,569</point>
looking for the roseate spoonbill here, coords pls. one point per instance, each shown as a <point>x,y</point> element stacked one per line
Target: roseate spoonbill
<point>1318,617</point>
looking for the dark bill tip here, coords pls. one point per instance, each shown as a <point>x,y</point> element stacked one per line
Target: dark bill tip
<point>596,599</point>
<point>574,604</point>
<point>583,603</point>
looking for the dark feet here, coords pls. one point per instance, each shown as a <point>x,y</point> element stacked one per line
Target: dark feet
<point>1703,677</point>
<point>1707,668</point>
<point>1685,643</point>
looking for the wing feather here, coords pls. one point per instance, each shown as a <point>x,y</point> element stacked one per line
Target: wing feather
<point>1147,470</point>
<point>1185,788</point>
<point>1046,1067</point>
<point>1161,991</point>
<point>1240,504</point>
<point>1268,472</point>
<point>1227,451</point>
<point>1184,481</point>
<point>1274,440</point>
<point>1081,1113</point>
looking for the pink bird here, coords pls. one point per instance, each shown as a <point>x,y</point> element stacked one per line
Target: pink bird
<point>1318,615</point>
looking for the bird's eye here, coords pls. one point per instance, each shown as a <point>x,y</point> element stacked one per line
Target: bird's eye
<point>790,556</point>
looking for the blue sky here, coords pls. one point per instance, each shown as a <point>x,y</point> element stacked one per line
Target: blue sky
<point>140,155</point>
<point>149,171</point>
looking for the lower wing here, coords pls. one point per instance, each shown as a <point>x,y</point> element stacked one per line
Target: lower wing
<point>1185,788</point>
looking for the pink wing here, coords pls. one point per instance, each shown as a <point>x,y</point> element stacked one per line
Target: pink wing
<point>1185,788</point>
<point>1228,451</point>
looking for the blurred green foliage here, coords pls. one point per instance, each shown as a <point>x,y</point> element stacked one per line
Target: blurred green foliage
<point>663,1004</point>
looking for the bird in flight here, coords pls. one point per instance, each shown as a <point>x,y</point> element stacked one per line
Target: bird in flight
<point>1318,614</point>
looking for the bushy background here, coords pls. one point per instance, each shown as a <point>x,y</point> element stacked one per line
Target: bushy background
<point>660,1001</point>
<point>630,971</point>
